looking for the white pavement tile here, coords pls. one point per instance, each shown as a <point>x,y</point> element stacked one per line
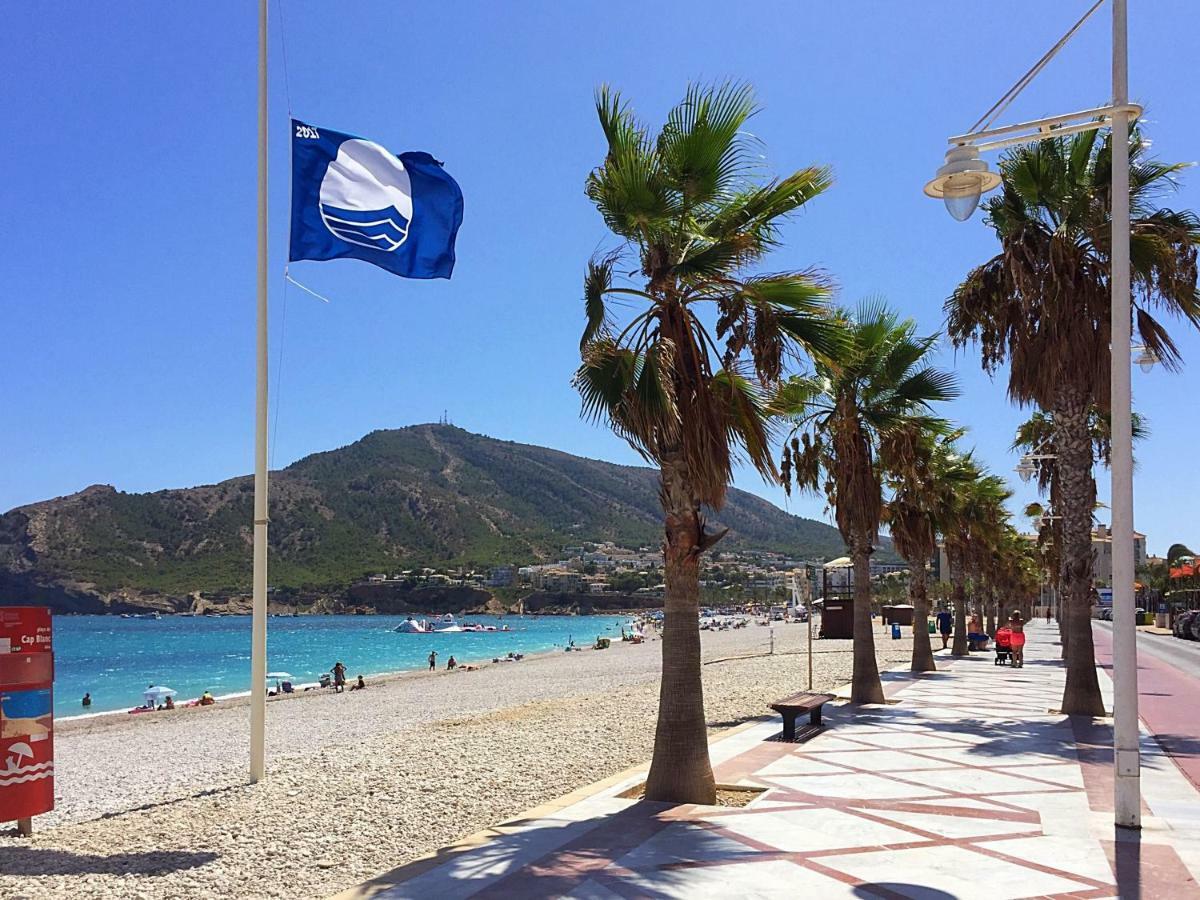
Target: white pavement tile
<point>802,830</point>
<point>469,872</point>
<point>889,760</point>
<point>1076,853</point>
<point>802,765</point>
<point>935,873</point>
<point>1063,774</point>
<point>772,878</point>
<point>854,786</point>
<point>952,826</point>
<point>684,842</point>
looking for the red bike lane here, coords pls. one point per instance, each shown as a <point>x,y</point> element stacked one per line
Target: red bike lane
<point>1167,704</point>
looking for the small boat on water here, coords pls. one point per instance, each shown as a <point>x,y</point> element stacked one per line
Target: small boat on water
<point>445,624</point>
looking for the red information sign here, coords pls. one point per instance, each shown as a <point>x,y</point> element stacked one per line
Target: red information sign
<point>26,712</point>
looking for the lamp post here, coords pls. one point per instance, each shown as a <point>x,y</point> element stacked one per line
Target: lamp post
<point>960,182</point>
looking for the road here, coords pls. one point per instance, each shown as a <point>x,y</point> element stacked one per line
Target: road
<point>1168,692</point>
<point>1176,652</point>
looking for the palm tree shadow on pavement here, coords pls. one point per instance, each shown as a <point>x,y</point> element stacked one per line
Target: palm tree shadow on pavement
<point>545,856</point>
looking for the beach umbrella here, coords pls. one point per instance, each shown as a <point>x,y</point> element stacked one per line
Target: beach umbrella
<point>278,677</point>
<point>157,693</point>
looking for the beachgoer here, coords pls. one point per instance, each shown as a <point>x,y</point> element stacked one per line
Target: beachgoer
<point>945,623</point>
<point>339,676</point>
<point>432,660</point>
<point>359,685</point>
<point>451,664</point>
<point>977,638</point>
<point>1017,626</point>
<point>87,700</point>
<point>207,699</point>
<point>170,704</point>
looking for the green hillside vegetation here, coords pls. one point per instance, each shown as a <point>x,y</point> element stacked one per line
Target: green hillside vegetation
<point>425,495</point>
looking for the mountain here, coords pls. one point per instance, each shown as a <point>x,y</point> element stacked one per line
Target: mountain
<point>423,495</point>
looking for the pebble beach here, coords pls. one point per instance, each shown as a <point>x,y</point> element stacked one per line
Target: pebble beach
<point>157,806</point>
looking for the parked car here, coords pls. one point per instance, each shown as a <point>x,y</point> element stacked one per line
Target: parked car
<point>1185,624</point>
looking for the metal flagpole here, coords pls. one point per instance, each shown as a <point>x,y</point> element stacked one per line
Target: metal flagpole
<point>1125,700</point>
<point>258,640</point>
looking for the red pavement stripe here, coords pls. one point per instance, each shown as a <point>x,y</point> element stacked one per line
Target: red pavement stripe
<point>1150,870</point>
<point>1166,703</point>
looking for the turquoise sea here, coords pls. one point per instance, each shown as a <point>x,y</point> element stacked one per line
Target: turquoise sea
<point>115,659</point>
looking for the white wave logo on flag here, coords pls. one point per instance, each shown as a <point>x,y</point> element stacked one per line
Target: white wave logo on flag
<point>366,196</point>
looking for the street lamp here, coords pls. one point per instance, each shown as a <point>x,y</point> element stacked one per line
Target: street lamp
<point>960,182</point>
<point>1026,468</point>
<point>1146,358</point>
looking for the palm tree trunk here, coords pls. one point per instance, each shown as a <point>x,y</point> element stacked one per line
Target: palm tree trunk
<point>680,771</point>
<point>865,686</point>
<point>991,602</point>
<point>958,593</point>
<point>918,596</point>
<point>1073,443</point>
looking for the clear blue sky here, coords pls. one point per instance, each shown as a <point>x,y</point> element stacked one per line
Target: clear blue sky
<point>127,264</point>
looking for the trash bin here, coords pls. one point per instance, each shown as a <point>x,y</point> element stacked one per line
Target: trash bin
<point>895,631</point>
<point>932,626</point>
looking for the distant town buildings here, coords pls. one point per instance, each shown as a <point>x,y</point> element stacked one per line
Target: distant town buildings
<point>604,567</point>
<point>1101,555</point>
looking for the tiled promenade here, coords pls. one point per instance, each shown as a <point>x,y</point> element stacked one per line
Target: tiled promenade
<point>969,785</point>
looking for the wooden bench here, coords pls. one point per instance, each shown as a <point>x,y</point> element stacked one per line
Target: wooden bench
<point>803,702</point>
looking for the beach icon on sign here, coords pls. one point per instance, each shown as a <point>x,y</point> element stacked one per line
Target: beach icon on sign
<point>366,196</point>
<point>20,768</point>
<point>17,752</point>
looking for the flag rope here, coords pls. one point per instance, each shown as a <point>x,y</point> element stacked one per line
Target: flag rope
<point>287,275</point>
<point>287,87</point>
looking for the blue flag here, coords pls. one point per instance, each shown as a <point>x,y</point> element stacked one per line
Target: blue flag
<point>353,198</point>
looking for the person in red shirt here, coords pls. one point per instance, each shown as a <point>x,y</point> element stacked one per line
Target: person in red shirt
<point>1016,625</point>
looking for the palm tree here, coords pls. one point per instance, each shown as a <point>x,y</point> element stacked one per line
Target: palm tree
<point>1035,436</point>
<point>971,526</point>
<point>863,397</point>
<point>685,375</point>
<point>924,472</point>
<point>1042,306</point>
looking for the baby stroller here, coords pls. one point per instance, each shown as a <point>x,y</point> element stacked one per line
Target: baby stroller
<point>1004,646</point>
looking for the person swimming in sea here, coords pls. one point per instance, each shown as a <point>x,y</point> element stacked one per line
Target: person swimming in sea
<point>87,700</point>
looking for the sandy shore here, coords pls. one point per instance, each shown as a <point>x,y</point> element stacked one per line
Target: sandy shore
<point>157,805</point>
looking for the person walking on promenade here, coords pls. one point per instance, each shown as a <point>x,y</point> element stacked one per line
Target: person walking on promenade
<point>339,677</point>
<point>432,660</point>
<point>945,622</point>
<point>1017,626</point>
